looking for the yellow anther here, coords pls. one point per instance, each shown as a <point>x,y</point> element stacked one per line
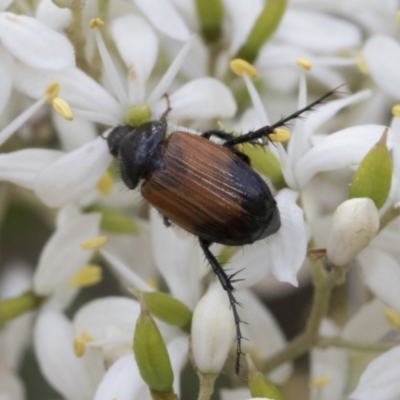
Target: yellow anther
<point>88,276</point>
<point>93,244</point>
<point>63,108</point>
<point>105,184</point>
<point>320,381</point>
<point>279,135</point>
<point>95,23</point>
<point>241,67</point>
<point>398,17</point>
<point>52,91</point>
<point>393,318</point>
<point>79,346</point>
<point>87,337</point>
<point>152,282</point>
<point>396,110</point>
<point>361,64</point>
<point>304,63</point>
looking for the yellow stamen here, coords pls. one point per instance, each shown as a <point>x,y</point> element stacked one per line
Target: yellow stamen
<point>105,184</point>
<point>398,17</point>
<point>95,23</point>
<point>320,381</point>
<point>93,244</point>
<point>152,282</point>
<point>52,91</point>
<point>396,110</point>
<point>87,337</point>
<point>304,63</point>
<point>393,318</point>
<point>89,275</point>
<point>241,67</point>
<point>79,346</point>
<point>63,108</point>
<point>361,64</point>
<point>279,135</point>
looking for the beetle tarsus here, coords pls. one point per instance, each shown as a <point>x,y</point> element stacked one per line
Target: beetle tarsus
<point>226,284</point>
<point>164,115</point>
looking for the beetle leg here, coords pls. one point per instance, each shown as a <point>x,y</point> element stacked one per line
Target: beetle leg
<point>219,134</point>
<point>226,283</point>
<point>166,221</point>
<point>269,129</point>
<point>164,115</point>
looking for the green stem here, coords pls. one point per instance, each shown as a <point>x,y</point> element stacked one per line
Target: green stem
<point>388,216</point>
<point>325,342</point>
<point>324,282</point>
<point>76,36</point>
<point>16,306</point>
<point>206,385</point>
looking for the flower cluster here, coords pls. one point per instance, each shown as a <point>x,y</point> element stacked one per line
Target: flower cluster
<point>116,304</point>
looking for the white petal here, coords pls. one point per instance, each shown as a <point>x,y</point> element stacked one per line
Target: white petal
<point>4,4</point>
<point>164,18</point>
<point>382,275</point>
<point>235,394</point>
<point>53,16</point>
<point>264,334</point>
<point>77,88</point>
<point>23,166</point>
<point>73,134</point>
<point>178,350</point>
<point>318,32</point>
<point>382,55</point>
<point>381,379</point>
<point>53,340</point>
<point>123,382</point>
<point>368,324</point>
<point>178,260</point>
<point>345,148</point>
<point>138,47</point>
<point>74,174</point>
<point>6,72</point>
<point>330,363</point>
<point>11,386</point>
<point>62,255</point>
<point>202,98</point>
<point>96,316</point>
<point>34,43</point>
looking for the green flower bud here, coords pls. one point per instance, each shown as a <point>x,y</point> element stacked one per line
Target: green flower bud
<point>210,14</point>
<point>264,27</point>
<point>137,115</point>
<point>152,356</point>
<point>263,160</point>
<point>259,385</point>
<point>115,221</point>
<point>373,177</point>
<point>166,308</point>
<point>16,306</point>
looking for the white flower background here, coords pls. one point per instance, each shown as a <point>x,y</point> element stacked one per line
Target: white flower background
<point>66,80</point>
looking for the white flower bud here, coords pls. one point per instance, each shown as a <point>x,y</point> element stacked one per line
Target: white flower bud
<point>213,330</point>
<point>355,223</point>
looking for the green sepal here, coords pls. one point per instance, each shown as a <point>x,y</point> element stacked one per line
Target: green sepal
<point>151,355</point>
<point>167,309</point>
<point>115,221</point>
<point>259,385</point>
<point>373,177</point>
<point>264,27</point>
<point>264,161</point>
<point>16,306</point>
<point>210,13</point>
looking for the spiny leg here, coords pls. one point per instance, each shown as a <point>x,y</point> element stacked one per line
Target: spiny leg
<point>269,129</point>
<point>226,283</point>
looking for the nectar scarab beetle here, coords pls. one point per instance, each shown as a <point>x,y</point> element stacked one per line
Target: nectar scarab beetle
<point>209,190</point>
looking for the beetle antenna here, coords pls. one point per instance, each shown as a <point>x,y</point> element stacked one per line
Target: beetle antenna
<point>269,129</point>
<point>226,284</point>
<point>164,115</point>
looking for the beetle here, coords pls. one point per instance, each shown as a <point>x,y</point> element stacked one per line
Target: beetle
<point>209,190</point>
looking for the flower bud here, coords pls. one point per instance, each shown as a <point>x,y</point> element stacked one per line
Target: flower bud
<point>355,223</point>
<point>212,331</point>
<point>373,177</point>
<point>152,356</point>
<point>167,309</point>
<point>259,385</point>
<point>210,13</point>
